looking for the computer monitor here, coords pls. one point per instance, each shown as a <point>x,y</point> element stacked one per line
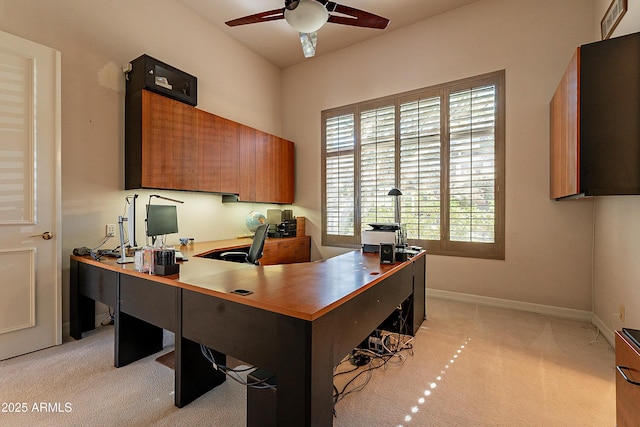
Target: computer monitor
<point>161,220</point>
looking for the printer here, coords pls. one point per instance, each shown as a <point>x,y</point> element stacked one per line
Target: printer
<point>386,232</point>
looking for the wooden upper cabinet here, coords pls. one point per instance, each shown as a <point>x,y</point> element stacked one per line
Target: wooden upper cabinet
<point>247,191</point>
<point>172,145</point>
<point>595,122</point>
<point>229,133</point>
<point>565,131</point>
<point>209,152</point>
<point>274,170</point>
<point>160,136</point>
<point>218,145</point>
<point>267,168</point>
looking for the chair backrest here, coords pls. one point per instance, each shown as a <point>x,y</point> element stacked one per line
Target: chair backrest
<point>255,251</point>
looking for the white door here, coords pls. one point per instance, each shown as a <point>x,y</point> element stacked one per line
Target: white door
<point>30,267</point>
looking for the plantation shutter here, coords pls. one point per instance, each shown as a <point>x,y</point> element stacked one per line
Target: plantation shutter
<point>472,159</point>
<point>377,165</point>
<point>340,175</point>
<point>420,145</point>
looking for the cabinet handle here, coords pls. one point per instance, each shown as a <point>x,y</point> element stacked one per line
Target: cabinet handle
<point>624,376</point>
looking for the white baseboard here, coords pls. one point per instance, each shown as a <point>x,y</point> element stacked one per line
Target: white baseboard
<point>565,313</point>
<point>604,330</point>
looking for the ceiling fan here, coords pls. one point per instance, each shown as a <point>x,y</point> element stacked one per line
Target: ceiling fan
<point>308,16</point>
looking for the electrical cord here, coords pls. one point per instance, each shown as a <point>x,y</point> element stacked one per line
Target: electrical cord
<point>393,344</point>
<point>109,319</point>
<point>234,373</point>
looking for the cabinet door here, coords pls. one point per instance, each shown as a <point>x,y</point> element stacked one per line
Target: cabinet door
<point>247,160</point>
<point>565,134</point>
<point>169,138</point>
<point>209,152</point>
<point>229,132</point>
<point>274,169</point>
<point>269,253</point>
<point>294,250</point>
<point>218,144</point>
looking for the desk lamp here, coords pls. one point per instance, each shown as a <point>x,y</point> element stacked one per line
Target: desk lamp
<point>397,193</point>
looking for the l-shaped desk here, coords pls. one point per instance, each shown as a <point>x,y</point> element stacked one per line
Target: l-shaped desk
<point>298,323</point>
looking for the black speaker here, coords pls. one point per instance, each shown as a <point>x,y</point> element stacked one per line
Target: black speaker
<point>387,253</point>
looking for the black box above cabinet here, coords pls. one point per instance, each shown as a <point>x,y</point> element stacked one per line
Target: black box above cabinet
<point>149,73</point>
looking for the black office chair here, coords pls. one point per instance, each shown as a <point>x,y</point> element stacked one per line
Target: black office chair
<point>255,251</point>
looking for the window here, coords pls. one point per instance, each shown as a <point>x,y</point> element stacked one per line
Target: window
<point>443,147</point>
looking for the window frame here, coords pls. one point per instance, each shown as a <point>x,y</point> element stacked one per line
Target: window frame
<point>443,246</point>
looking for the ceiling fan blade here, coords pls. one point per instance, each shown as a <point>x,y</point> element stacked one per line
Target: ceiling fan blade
<point>270,15</point>
<point>355,17</point>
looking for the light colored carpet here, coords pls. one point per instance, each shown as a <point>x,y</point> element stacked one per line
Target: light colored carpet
<point>472,366</point>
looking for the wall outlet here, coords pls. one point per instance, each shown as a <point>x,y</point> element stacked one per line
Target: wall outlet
<point>622,313</point>
<point>111,230</point>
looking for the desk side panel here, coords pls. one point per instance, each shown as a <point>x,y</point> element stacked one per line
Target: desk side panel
<point>419,292</point>
<point>97,283</point>
<point>225,325</point>
<point>354,320</point>
<point>150,301</point>
<point>274,342</point>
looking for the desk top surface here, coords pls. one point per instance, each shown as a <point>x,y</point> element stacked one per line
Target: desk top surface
<point>304,290</point>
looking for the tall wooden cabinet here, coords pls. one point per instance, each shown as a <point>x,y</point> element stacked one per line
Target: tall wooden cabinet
<point>595,121</point>
<point>627,381</point>
<point>174,146</point>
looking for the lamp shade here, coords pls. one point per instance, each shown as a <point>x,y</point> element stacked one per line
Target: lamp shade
<point>308,17</point>
<point>394,192</point>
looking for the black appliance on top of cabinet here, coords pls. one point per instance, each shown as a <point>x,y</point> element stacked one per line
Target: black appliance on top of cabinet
<point>149,73</point>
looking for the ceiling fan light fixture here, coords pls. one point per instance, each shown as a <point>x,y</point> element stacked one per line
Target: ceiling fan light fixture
<point>308,17</point>
<point>309,42</point>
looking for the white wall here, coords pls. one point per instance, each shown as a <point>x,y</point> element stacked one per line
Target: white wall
<point>96,38</point>
<point>617,230</point>
<point>549,244</point>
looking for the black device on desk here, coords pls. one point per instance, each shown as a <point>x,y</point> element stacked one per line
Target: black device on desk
<point>288,228</point>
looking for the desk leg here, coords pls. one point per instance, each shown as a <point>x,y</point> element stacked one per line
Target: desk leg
<point>304,395</point>
<point>82,309</point>
<point>194,374</point>
<point>134,339</point>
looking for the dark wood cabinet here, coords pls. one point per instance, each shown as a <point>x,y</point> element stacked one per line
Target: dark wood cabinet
<point>627,389</point>
<point>172,145</point>
<point>219,154</point>
<point>274,170</point>
<point>248,138</point>
<point>161,142</point>
<point>595,126</point>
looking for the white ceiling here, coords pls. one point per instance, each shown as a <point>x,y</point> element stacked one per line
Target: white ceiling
<point>280,44</point>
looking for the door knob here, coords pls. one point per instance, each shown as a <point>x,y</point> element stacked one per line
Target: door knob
<point>46,235</point>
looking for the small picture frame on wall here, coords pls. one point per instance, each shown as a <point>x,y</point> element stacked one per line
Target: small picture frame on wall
<point>612,17</point>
